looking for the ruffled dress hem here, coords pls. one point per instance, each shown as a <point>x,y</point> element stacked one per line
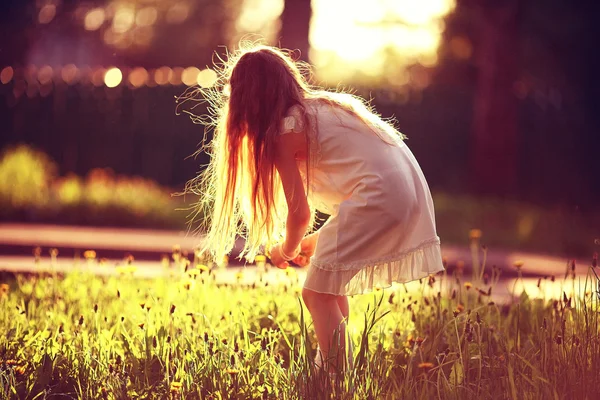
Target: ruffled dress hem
<point>369,275</point>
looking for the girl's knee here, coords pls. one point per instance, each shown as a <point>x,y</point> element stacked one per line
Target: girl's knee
<point>312,298</point>
<point>308,297</point>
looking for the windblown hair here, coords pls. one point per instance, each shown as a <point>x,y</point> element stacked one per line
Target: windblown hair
<point>240,191</point>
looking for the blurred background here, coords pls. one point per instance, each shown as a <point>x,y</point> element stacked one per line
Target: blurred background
<point>498,100</point>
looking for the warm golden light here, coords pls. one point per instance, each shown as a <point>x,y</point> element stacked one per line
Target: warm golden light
<point>6,75</point>
<point>94,19</point>
<point>146,16</point>
<point>178,13</point>
<point>190,76</point>
<point>45,75</point>
<point>47,13</point>
<point>376,41</point>
<point>207,78</point>
<point>461,47</point>
<point>138,77</point>
<point>113,77</point>
<point>143,36</point>
<point>176,76</point>
<point>258,17</point>
<point>69,74</point>
<point>98,77</point>
<point>123,19</point>
<point>162,75</point>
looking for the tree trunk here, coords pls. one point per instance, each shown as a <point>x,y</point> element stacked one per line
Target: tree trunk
<point>494,136</point>
<point>295,23</point>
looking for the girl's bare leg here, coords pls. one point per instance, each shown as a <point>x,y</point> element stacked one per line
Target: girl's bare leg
<point>330,326</point>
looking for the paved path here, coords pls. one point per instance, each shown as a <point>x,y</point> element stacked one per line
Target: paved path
<point>18,240</point>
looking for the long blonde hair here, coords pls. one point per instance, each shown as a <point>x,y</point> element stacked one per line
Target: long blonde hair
<point>240,190</point>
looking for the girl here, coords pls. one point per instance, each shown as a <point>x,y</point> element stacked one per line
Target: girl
<point>282,148</point>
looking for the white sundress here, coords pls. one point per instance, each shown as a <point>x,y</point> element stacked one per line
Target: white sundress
<point>382,224</point>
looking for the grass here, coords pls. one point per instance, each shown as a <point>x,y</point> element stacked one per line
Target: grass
<point>120,337</point>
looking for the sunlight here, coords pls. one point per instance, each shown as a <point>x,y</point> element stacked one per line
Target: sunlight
<point>257,17</point>
<point>113,77</point>
<point>94,19</point>
<point>376,40</point>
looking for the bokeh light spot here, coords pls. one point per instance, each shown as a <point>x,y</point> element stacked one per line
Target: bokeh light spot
<point>146,16</point>
<point>45,75</point>
<point>47,13</point>
<point>178,13</point>
<point>143,36</point>
<point>123,19</point>
<point>207,78</point>
<point>162,75</point>
<point>113,77</point>
<point>94,19</point>
<point>69,74</point>
<point>190,76</point>
<point>6,75</point>
<point>176,76</point>
<point>138,77</point>
<point>461,47</point>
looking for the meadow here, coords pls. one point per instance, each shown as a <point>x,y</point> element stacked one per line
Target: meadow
<point>185,336</point>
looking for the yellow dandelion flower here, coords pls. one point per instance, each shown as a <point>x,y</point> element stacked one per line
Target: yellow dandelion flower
<point>232,372</point>
<point>518,264</point>
<point>202,268</point>
<point>260,258</point>
<point>468,285</point>
<point>193,273</point>
<point>89,254</point>
<point>475,234</point>
<point>425,366</point>
<point>121,270</point>
<point>176,387</point>
<point>4,288</point>
<point>239,275</point>
<point>290,271</point>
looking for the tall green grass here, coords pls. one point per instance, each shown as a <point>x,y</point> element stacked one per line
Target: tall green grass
<point>121,337</point>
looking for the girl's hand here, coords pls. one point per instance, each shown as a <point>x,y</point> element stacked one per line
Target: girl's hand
<point>307,249</point>
<point>277,259</point>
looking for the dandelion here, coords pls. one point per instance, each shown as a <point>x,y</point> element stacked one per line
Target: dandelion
<point>202,268</point>
<point>518,264</point>
<point>260,258</point>
<point>468,285</point>
<point>89,255</point>
<point>239,275</point>
<point>232,371</point>
<point>192,273</point>
<point>20,370</point>
<point>290,271</point>
<point>176,387</point>
<point>4,288</point>
<point>425,366</point>
<point>475,234</point>
<point>165,261</point>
